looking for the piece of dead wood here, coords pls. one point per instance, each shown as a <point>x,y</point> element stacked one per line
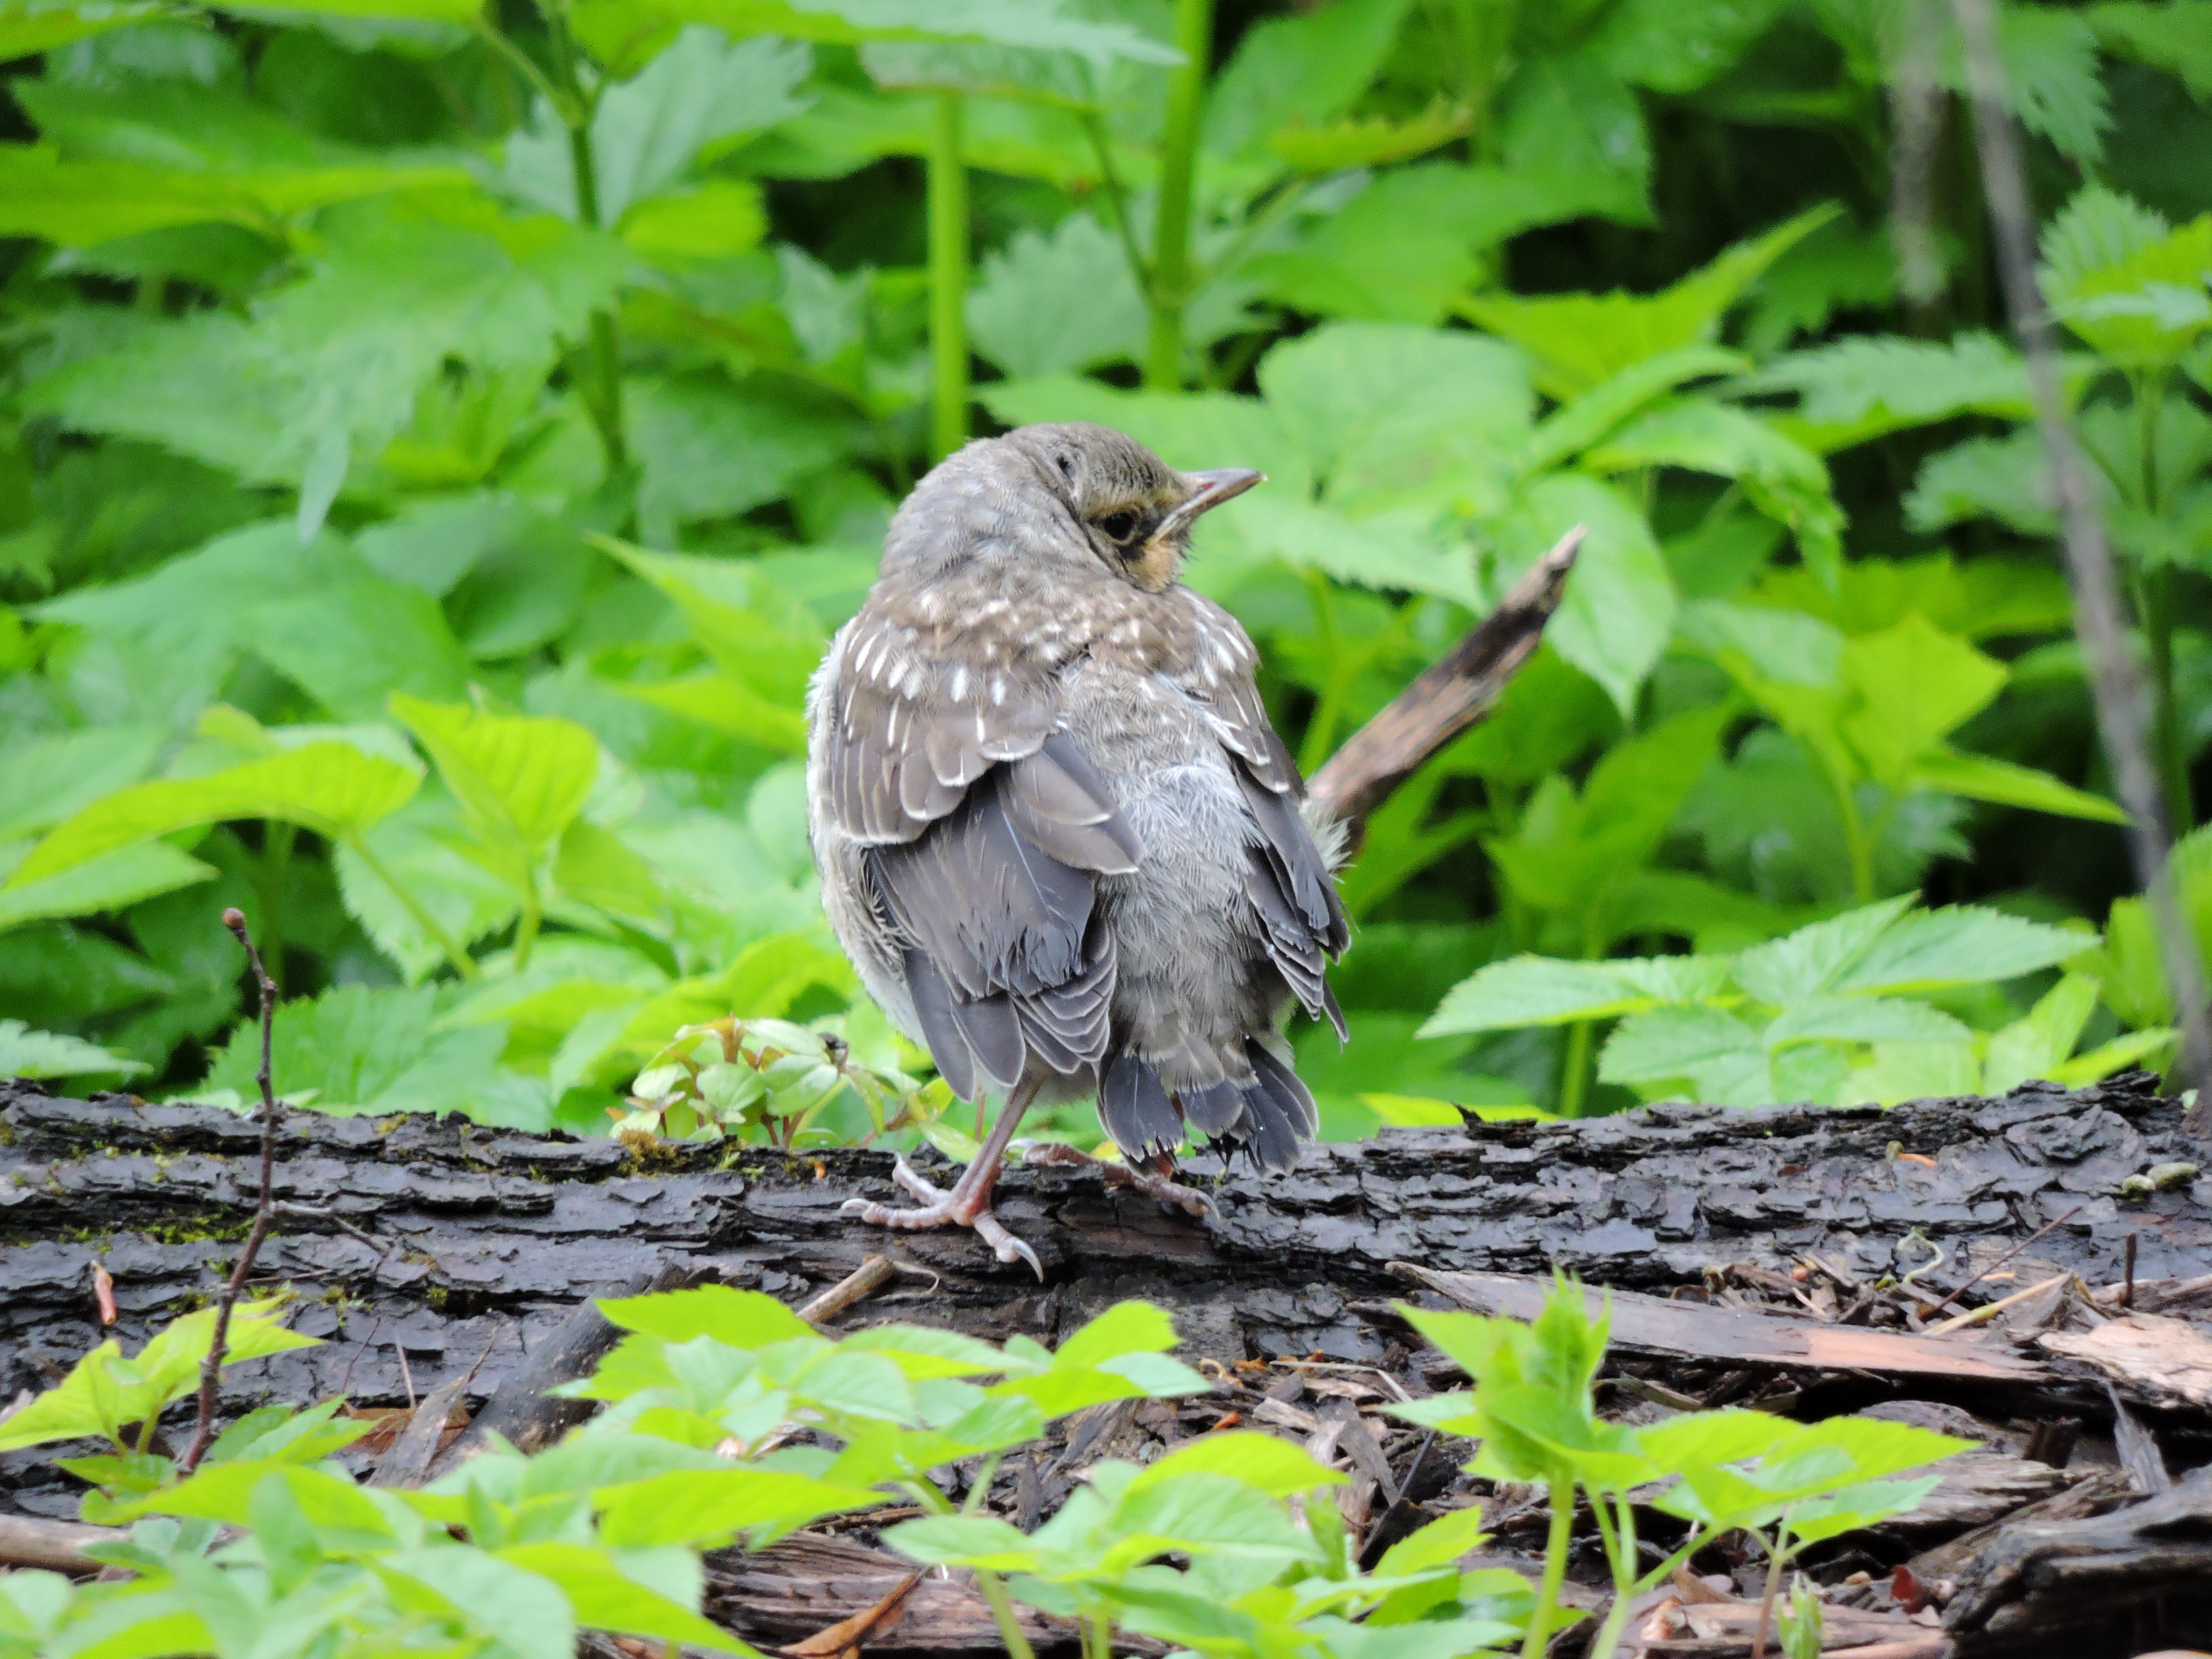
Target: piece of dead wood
<point>1447,697</point>
<point>845,1637</point>
<point>2041,1586</point>
<point>864,1281</point>
<point>1688,1330</point>
<point>54,1545</point>
<point>1725,1630</point>
<point>797,1586</point>
<point>1972,1490</point>
<point>437,1419</point>
<point>2152,1360</point>
<point>1932,1574</point>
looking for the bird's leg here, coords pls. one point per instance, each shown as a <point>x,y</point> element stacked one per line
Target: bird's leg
<point>969,1203</point>
<point>1153,1183</point>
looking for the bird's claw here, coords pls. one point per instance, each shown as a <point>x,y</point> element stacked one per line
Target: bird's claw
<point>1056,1154</point>
<point>938,1209</point>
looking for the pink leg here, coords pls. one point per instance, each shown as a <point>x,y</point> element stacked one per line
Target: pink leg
<point>1053,1154</point>
<point>969,1203</point>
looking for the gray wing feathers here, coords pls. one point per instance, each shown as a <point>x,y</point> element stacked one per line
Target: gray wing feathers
<point>1135,1107</point>
<point>1300,912</point>
<point>985,832</point>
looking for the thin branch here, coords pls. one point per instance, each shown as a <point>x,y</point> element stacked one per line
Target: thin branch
<point>2114,682</point>
<point>1449,696</point>
<point>264,1210</point>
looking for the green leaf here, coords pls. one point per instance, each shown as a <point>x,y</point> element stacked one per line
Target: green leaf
<point>1980,777</point>
<point>1057,302</point>
<point>1619,605</point>
<point>28,28</point>
<point>1274,1466</point>
<point>762,636</point>
<point>109,882</point>
<point>1582,340</point>
<point>1407,245</point>
<point>1678,49</point>
<point>332,788</point>
<point>1863,1019</point>
<point>696,96</point>
<point>368,1050</point>
<point>2135,291</point>
<point>1202,1514</point>
<point>1915,685</point>
<point>1436,1543</point>
<point>1964,944</point>
<point>1713,1048</point>
<point>964,1541</point>
<point>495,1600</point>
<point>44,780</point>
<point>1814,959</point>
<point>606,1597</point>
<point>1542,991</point>
<point>26,1053</point>
<point>521,779</point>
<point>2170,37</point>
<point>1302,70</point>
<point>2041,1039</point>
<point>1862,388</point>
<point>1127,1328</point>
<point>2002,478</point>
<point>622,32</point>
<point>702,1508</point>
<point>742,1319</point>
<point>1568,113</point>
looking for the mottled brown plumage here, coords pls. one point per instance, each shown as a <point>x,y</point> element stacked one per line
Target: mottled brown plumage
<point>1054,827</point>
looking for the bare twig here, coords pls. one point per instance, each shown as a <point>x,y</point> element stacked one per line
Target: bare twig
<point>861,1283</point>
<point>211,1367</point>
<point>2114,681</point>
<point>1449,696</point>
<point>2055,1221</point>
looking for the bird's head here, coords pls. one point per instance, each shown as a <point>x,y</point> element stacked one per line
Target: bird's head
<point>1078,494</point>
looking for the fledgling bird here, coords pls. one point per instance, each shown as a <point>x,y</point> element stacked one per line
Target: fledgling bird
<point>1056,832</point>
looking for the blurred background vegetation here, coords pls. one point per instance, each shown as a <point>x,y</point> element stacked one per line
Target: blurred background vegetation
<point>439,440</point>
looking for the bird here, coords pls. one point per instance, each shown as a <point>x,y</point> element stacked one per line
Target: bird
<point>1056,833</point>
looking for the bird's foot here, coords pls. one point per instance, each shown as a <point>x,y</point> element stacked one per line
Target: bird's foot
<point>968,1204</point>
<point>1054,1154</point>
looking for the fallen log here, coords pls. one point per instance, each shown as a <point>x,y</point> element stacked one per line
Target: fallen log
<point>1799,1258</point>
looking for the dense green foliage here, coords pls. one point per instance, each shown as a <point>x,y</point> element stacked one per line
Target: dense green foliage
<point>439,438</point>
<point>731,1420</point>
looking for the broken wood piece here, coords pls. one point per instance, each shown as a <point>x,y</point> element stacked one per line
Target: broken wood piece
<point>2046,1586</point>
<point>1726,1629</point>
<point>846,1636</point>
<point>1688,1330</point>
<point>862,1282</point>
<point>416,1446</point>
<point>1934,1573</point>
<point>1991,1309</point>
<point>29,1541</point>
<point>1447,697</point>
<point>2152,1360</point>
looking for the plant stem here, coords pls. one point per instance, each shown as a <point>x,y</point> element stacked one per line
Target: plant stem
<point>525,931</point>
<point>463,964</point>
<point>1556,1540</point>
<point>1766,1601</point>
<point>948,278</point>
<point>1620,1556</point>
<point>994,1590</point>
<point>1575,1067</point>
<point>2158,607</point>
<point>2114,682</point>
<point>1170,286</point>
<point>603,351</point>
<point>263,1209</point>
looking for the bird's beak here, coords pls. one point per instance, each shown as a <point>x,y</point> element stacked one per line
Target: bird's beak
<point>1213,489</point>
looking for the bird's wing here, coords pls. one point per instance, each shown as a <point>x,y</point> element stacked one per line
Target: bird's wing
<point>1286,879</point>
<point>986,831</point>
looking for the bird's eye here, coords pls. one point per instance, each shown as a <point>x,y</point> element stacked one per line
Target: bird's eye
<point>1119,527</point>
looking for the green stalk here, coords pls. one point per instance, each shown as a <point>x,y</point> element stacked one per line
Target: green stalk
<point>525,931</point>
<point>1857,843</point>
<point>463,964</point>
<point>1171,272</point>
<point>948,278</point>
<point>2158,604</point>
<point>602,374</point>
<point>993,1590</point>
<point>1575,1067</point>
<point>1556,1542</point>
<point>1620,1556</point>
<point>276,840</point>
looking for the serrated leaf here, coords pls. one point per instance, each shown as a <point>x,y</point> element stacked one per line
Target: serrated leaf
<point>1964,944</point>
<point>107,883</point>
<point>27,1053</point>
<point>2004,783</point>
<point>1276,1467</point>
<point>332,788</point>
